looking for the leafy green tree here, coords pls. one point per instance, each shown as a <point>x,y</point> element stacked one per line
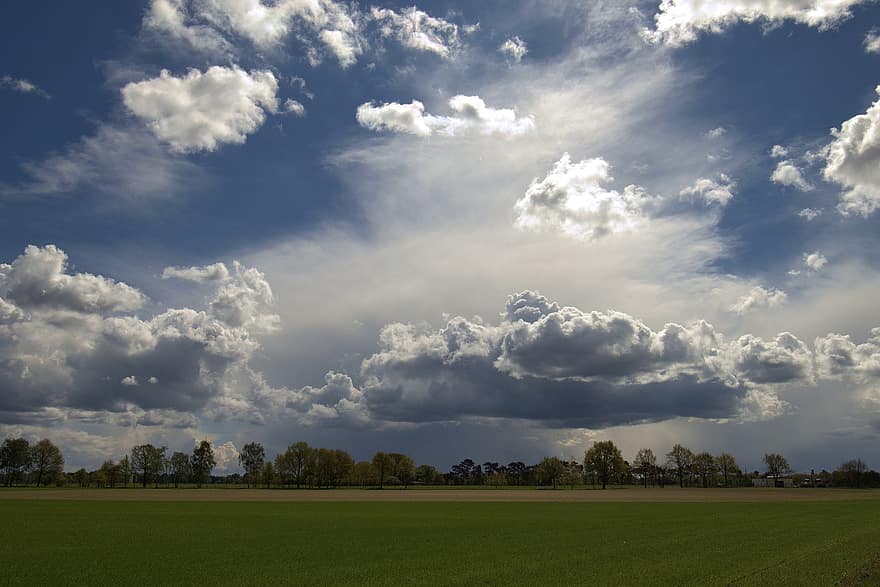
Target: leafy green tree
<point>15,459</point>
<point>268,474</point>
<point>680,459</point>
<point>181,468</point>
<point>47,462</point>
<point>427,474</point>
<point>81,476</point>
<point>604,459</point>
<point>550,470</point>
<point>645,463</point>
<point>112,473</point>
<point>147,461</point>
<point>727,467</point>
<point>203,462</point>
<point>777,466</point>
<point>363,474</point>
<point>382,466</point>
<point>251,458</point>
<point>402,467</point>
<point>125,470</point>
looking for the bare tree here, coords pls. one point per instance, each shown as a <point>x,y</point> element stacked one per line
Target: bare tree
<point>727,466</point>
<point>776,466</point>
<point>681,459</point>
<point>645,463</point>
<point>46,461</point>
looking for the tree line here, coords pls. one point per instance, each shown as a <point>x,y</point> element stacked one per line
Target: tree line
<point>304,466</point>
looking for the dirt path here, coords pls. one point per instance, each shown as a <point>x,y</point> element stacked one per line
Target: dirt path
<point>668,494</point>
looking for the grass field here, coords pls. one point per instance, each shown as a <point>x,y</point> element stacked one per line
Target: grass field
<point>52,542</point>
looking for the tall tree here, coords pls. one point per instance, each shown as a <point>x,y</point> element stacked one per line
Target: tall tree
<point>777,466</point>
<point>853,471</point>
<point>704,466</point>
<point>203,462</point>
<point>727,467</point>
<point>680,459</point>
<point>147,460</point>
<point>46,461</point>
<point>268,474</point>
<point>111,473</point>
<point>303,462</point>
<point>15,459</point>
<point>645,463</point>
<point>604,459</point>
<point>381,467</point>
<point>125,470</point>
<point>550,469</point>
<point>427,474</point>
<point>251,458</point>
<point>181,468</point>
<point>402,467</point>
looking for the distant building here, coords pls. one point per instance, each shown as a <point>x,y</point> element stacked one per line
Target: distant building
<point>770,482</point>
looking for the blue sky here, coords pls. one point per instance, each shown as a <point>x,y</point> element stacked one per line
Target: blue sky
<point>571,222</point>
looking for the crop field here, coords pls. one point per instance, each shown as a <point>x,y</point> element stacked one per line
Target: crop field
<point>422,542</point>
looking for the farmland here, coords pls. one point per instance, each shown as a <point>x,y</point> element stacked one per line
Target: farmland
<point>409,537</point>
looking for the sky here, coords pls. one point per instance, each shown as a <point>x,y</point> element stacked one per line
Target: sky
<point>493,230</point>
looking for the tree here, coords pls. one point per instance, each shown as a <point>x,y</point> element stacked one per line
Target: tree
<point>604,459</point>
<point>381,465</point>
<point>704,466</point>
<point>251,458</point>
<point>268,474</point>
<point>427,474</point>
<point>726,466</point>
<point>776,466</point>
<point>645,462</point>
<point>181,468</point>
<point>402,467</point>
<point>111,473</point>
<point>550,470</point>
<point>81,477</point>
<point>853,471</point>
<point>46,461</point>
<point>125,470</point>
<point>15,458</point>
<point>363,474</point>
<point>681,459</point>
<point>517,472</point>
<point>202,462</point>
<point>147,460</point>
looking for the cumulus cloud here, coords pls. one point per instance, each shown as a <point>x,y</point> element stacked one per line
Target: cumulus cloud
<point>173,18</point>
<point>573,198</point>
<point>757,298</point>
<point>215,272</point>
<point>810,214</point>
<point>564,366</point>
<point>789,174</point>
<point>814,261</point>
<point>470,115</point>
<point>778,152</point>
<point>680,22</point>
<point>70,341</point>
<point>201,111</point>
<point>838,356</point>
<point>23,86</point>
<point>712,191</point>
<point>294,107</point>
<point>872,41</point>
<point>514,48</point>
<point>853,161</point>
<point>417,30</point>
<point>716,133</point>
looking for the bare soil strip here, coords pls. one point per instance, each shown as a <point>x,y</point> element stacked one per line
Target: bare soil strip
<point>667,494</point>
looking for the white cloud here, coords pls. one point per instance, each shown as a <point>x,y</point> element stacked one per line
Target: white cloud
<point>716,133</point>
<point>225,455</point>
<point>215,272</point>
<point>872,41</point>
<point>294,107</point>
<point>172,18</point>
<point>471,115</point>
<point>837,355</point>
<point>417,30</point>
<point>711,191</point>
<point>130,381</point>
<point>809,214</point>
<point>778,152</point>
<point>680,22</point>
<point>815,261</point>
<point>343,46</point>
<point>515,48</point>
<point>201,111</point>
<point>759,297</point>
<point>853,161</point>
<point>573,199</point>
<point>102,163</point>
<point>789,174</point>
<point>23,86</point>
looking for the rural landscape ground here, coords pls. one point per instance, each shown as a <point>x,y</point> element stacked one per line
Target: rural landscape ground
<point>423,536</point>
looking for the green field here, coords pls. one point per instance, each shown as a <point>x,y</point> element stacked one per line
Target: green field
<point>107,542</point>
